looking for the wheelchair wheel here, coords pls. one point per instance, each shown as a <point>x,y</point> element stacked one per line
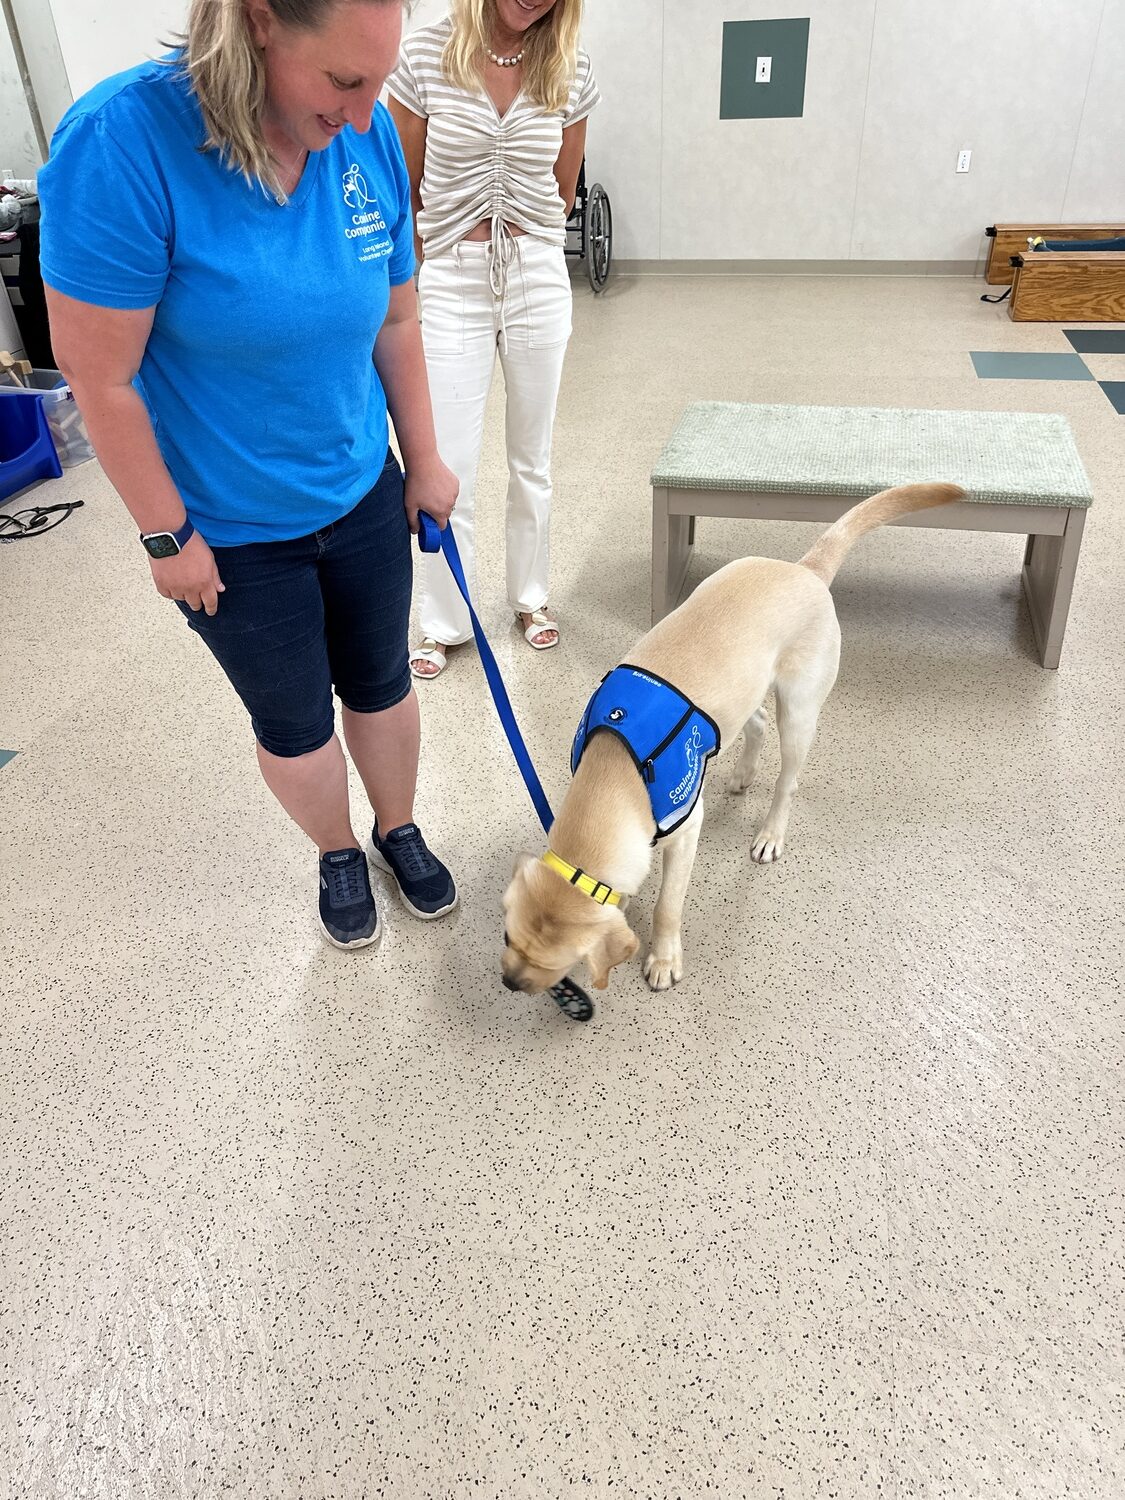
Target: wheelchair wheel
<point>598,236</point>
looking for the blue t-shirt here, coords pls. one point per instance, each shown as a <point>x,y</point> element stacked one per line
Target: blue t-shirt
<point>258,373</point>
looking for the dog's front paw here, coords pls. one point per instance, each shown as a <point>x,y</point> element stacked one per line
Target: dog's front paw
<point>664,970</point>
<point>768,847</point>
<point>737,783</point>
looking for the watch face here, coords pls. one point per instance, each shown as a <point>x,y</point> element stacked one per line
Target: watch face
<point>161,544</point>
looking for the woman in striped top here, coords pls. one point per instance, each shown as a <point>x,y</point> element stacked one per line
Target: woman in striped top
<point>491,106</point>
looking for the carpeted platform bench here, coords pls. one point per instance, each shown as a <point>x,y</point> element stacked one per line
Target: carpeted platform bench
<point>811,463</point>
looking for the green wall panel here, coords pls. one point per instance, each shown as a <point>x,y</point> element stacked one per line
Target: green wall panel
<point>787,43</point>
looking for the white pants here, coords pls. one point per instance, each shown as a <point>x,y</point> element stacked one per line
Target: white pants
<point>464,323</point>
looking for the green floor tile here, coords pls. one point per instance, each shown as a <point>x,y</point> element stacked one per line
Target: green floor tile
<point>1097,340</point>
<point>991,366</point>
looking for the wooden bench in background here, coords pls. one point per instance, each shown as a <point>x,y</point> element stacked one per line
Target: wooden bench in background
<point>1068,286</point>
<point>1011,239</point>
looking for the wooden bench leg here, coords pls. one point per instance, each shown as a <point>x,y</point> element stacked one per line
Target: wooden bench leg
<point>1049,566</point>
<point>672,538</point>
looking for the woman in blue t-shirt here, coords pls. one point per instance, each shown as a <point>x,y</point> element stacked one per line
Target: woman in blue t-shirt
<point>226,237</point>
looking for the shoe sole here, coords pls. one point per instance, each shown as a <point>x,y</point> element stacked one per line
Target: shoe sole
<point>375,858</point>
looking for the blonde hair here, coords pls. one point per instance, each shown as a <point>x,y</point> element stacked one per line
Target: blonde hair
<point>550,50</point>
<point>228,77</point>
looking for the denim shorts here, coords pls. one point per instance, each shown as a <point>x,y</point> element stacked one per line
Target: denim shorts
<point>325,611</point>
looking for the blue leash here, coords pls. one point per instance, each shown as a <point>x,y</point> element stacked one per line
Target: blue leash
<point>571,999</point>
<point>431,539</point>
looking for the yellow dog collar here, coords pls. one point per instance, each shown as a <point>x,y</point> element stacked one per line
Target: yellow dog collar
<point>604,895</point>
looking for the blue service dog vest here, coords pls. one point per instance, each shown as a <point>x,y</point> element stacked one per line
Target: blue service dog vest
<point>669,738</point>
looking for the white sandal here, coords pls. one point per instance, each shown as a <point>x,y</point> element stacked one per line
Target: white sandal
<point>539,623</point>
<point>429,651</point>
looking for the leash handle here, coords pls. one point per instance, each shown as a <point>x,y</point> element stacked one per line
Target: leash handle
<point>432,539</point>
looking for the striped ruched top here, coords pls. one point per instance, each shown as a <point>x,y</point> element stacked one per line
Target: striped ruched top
<point>481,165</point>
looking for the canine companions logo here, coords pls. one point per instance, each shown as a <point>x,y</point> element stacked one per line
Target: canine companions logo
<point>356,195</point>
<point>368,225</point>
<point>692,746</point>
<point>669,738</point>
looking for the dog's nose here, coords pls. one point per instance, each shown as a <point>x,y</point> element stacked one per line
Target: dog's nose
<point>510,984</point>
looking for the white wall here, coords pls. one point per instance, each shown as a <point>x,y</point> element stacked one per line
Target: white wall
<point>19,148</point>
<point>44,60</point>
<point>1096,185</point>
<point>100,37</point>
<point>1009,79</point>
<point>895,89</point>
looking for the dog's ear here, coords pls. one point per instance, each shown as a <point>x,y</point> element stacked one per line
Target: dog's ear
<point>521,862</point>
<point>611,948</point>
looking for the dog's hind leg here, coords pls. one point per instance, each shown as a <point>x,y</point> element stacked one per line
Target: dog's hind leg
<point>753,733</point>
<point>799,701</point>
<point>664,965</point>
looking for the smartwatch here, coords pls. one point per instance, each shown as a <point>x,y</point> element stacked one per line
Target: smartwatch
<point>167,543</point>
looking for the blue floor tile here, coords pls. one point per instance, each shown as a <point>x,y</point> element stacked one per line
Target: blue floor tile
<point>7,755</point>
<point>1097,340</point>
<point>1115,390</point>
<point>990,366</point>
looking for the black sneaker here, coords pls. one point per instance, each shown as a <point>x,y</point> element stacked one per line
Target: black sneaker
<point>425,885</point>
<point>347,907</point>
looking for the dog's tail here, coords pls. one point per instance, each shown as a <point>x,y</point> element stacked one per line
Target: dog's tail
<point>828,552</point>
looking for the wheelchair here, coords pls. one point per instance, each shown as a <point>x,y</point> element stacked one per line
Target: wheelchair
<point>591,221</point>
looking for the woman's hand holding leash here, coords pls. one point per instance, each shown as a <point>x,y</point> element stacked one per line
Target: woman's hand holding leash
<point>432,488</point>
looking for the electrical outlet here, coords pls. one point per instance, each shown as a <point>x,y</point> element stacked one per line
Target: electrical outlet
<point>964,158</point>
<point>764,70</point>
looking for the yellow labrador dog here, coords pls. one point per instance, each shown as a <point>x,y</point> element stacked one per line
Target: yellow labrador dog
<point>756,625</point>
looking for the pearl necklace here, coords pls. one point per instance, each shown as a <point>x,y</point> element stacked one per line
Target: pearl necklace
<point>505,62</point>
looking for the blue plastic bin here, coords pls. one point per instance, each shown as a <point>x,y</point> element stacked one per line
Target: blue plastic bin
<point>27,451</point>
<point>72,441</point>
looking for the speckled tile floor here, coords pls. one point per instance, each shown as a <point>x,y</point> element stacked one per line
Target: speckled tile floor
<point>841,1216</point>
